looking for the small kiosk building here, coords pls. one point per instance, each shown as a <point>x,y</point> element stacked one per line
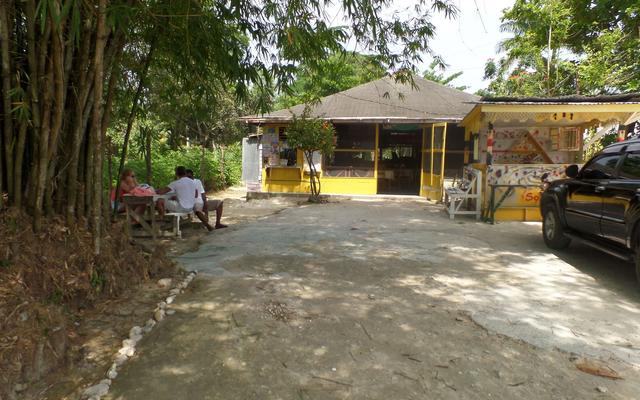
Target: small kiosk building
<point>518,140</point>
<point>391,139</point>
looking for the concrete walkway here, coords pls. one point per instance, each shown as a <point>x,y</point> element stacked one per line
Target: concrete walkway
<point>370,299</point>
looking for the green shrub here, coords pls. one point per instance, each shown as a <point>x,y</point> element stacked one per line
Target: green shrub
<point>163,166</point>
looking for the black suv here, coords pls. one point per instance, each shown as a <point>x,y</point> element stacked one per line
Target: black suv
<point>598,205</point>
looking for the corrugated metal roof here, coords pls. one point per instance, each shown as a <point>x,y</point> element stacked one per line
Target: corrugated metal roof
<point>385,100</point>
<point>615,98</point>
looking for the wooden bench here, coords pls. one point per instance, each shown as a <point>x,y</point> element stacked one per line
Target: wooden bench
<point>175,222</point>
<point>469,188</point>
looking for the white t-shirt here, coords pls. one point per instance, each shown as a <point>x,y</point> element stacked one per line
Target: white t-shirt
<point>186,192</point>
<point>200,190</point>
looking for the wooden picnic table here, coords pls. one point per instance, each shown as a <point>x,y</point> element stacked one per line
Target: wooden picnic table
<point>150,228</point>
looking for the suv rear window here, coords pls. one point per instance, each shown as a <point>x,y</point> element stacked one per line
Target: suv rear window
<point>630,168</point>
<point>602,167</point>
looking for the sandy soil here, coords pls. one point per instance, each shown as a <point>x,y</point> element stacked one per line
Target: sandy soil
<point>389,300</point>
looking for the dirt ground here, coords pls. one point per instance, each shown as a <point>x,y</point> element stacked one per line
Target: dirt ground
<point>99,332</point>
<point>389,300</point>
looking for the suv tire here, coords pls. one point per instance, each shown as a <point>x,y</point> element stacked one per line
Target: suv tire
<point>553,233</point>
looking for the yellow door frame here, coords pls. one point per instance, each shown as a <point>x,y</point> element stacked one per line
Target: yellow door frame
<point>422,155</point>
<point>434,191</point>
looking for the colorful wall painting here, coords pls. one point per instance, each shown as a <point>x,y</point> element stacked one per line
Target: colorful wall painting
<point>531,175</point>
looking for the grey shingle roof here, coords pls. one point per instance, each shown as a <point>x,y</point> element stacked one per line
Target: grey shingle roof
<point>385,100</point>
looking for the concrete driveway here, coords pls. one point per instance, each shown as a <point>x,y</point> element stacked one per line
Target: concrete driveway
<point>386,300</point>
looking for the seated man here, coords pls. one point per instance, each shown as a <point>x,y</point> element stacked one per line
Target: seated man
<point>202,204</point>
<point>185,196</point>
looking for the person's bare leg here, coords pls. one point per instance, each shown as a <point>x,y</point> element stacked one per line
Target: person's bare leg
<point>204,220</point>
<point>205,209</point>
<point>138,213</point>
<point>219,225</point>
<point>160,208</point>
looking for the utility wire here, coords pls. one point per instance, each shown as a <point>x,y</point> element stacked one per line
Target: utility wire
<point>480,15</point>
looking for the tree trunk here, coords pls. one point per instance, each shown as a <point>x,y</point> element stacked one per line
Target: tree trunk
<point>82,96</point>
<point>43,147</point>
<point>132,116</point>
<point>7,118</point>
<point>18,167</point>
<point>110,173</point>
<point>203,149</point>
<point>96,128</point>
<point>44,75</point>
<point>314,182</point>
<point>147,155</point>
<point>34,91</point>
<point>222,167</point>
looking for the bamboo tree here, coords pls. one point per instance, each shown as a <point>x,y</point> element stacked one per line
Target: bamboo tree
<point>7,119</point>
<point>96,209</point>
<point>132,115</point>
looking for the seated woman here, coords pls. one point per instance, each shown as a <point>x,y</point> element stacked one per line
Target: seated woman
<point>129,186</point>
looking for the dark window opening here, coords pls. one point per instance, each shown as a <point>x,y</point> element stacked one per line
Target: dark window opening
<point>350,164</point>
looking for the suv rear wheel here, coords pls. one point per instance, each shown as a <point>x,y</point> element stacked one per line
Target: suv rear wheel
<point>552,230</point>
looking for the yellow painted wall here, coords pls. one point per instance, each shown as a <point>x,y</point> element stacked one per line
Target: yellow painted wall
<point>518,214</point>
<point>292,180</point>
<point>349,185</point>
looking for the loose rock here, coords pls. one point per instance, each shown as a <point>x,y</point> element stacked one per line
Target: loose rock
<point>149,325</point>
<point>113,372</point>
<point>127,351</point>
<point>174,291</point>
<point>171,312</point>
<point>602,389</point>
<point>165,282</point>
<point>159,315</point>
<point>120,359</point>
<point>135,331</point>
<point>162,305</point>
<point>98,390</point>
<point>170,299</point>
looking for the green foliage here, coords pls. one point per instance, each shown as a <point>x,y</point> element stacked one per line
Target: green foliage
<point>340,71</point>
<point>561,47</point>
<point>165,161</point>
<point>604,141</point>
<point>435,73</point>
<point>97,280</point>
<point>311,134</point>
<point>55,297</point>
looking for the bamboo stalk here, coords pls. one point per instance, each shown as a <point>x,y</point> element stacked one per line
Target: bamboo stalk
<point>5,71</point>
<point>96,125</point>
<point>132,115</point>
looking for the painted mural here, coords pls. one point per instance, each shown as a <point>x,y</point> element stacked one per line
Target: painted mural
<point>530,175</point>
<point>523,174</point>
<point>511,146</point>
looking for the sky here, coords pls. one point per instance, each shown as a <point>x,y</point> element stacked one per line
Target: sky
<point>467,42</point>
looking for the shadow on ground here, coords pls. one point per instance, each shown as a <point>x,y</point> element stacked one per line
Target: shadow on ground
<point>382,300</point>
